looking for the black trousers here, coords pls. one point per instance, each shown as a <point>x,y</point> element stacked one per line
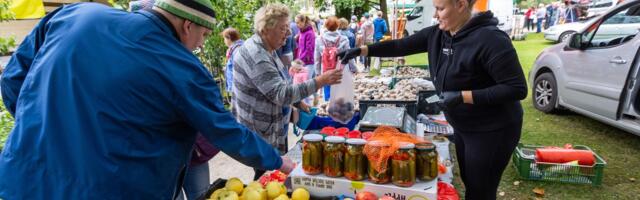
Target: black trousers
<point>483,156</point>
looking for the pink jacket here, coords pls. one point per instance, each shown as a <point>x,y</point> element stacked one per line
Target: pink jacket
<point>306,45</point>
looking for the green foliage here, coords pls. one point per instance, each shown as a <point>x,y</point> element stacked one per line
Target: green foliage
<point>6,125</point>
<point>122,4</point>
<point>6,44</point>
<point>5,13</point>
<point>345,8</point>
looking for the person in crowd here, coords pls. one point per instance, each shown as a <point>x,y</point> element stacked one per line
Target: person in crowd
<point>344,30</point>
<point>306,42</point>
<point>366,33</point>
<point>263,90</point>
<point>232,40</point>
<point>295,31</point>
<point>480,81</point>
<point>353,25</point>
<point>548,21</point>
<point>331,38</point>
<point>119,121</point>
<point>286,52</point>
<point>528,16</point>
<point>541,13</point>
<point>380,27</point>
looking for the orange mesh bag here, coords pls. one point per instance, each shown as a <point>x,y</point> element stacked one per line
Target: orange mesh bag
<point>379,155</point>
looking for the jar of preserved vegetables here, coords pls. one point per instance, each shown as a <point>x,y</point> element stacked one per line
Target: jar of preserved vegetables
<point>355,162</point>
<point>426,161</point>
<point>375,176</point>
<point>312,154</point>
<point>333,159</point>
<point>403,165</point>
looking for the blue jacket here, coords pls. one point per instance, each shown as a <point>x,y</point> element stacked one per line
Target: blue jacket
<point>380,28</point>
<point>106,109</point>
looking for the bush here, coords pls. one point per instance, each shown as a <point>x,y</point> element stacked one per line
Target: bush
<point>6,44</point>
<point>6,125</point>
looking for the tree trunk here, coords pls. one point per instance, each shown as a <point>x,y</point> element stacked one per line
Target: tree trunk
<point>383,8</point>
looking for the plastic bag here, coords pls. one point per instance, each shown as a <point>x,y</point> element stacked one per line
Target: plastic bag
<point>342,103</point>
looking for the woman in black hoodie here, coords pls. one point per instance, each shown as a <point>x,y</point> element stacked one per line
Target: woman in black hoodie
<point>480,81</point>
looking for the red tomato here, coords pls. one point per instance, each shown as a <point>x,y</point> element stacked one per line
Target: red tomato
<point>367,135</point>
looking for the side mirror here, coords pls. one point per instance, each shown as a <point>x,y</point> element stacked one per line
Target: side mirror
<point>575,42</point>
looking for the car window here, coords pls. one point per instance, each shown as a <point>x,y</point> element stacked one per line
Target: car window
<point>614,30</point>
<point>416,12</point>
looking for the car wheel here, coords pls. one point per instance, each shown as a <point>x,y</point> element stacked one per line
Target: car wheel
<point>545,93</point>
<point>565,36</point>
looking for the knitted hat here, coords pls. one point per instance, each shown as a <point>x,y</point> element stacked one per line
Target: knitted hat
<point>198,11</point>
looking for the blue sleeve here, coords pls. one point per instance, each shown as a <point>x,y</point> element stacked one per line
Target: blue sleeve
<point>20,63</point>
<point>200,104</point>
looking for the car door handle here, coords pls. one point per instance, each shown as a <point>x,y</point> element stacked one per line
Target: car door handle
<point>618,60</point>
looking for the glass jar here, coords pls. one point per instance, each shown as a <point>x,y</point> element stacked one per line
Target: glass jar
<point>312,154</point>
<point>333,159</point>
<point>426,161</point>
<point>375,176</point>
<point>355,162</point>
<point>403,165</point>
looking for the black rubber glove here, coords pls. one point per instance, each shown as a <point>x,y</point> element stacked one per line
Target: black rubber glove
<point>349,54</point>
<point>450,99</point>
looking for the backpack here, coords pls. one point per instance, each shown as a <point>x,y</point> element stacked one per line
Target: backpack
<point>330,55</point>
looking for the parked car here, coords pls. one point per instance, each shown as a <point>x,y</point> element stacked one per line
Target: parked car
<point>596,72</point>
<point>561,32</point>
<point>597,7</point>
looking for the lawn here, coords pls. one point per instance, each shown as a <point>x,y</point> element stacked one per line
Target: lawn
<point>620,149</point>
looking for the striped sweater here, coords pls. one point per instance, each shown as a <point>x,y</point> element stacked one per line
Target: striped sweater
<point>263,89</point>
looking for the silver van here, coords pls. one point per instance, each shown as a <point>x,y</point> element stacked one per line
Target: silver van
<point>596,72</point>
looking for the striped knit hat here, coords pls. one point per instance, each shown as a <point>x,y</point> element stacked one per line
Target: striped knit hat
<point>198,11</point>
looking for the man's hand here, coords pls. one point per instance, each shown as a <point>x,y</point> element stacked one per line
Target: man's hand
<point>450,99</point>
<point>330,77</point>
<point>287,165</point>
<point>349,54</point>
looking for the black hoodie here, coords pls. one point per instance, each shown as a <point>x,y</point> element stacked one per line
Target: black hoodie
<point>480,58</point>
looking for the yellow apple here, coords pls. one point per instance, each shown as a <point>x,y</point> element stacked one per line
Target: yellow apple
<point>300,194</point>
<point>282,197</point>
<point>274,189</point>
<point>234,184</point>
<point>228,195</point>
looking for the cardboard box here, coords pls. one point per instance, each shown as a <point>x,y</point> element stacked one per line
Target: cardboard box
<point>323,186</point>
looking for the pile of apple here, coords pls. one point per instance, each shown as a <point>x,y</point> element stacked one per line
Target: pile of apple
<point>234,189</point>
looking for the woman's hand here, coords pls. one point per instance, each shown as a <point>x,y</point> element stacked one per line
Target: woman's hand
<point>304,107</point>
<point>330,77</point>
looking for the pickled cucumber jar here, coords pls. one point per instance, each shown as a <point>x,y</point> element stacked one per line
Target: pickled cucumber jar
<point>333,159</point>
<point>355,162</point>
<point>312,154</point>
<point>426,161</point>
<point>375,176</point>
<point>403,165</point>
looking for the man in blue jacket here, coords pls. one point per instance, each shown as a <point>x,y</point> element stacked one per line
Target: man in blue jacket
<point>380,27</point>
<point>106,110</point>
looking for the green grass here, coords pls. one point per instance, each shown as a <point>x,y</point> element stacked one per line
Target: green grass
<point>620,149</point>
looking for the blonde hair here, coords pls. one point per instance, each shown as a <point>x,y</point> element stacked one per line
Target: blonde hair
<point>268,16</point>
<point>344,23</point>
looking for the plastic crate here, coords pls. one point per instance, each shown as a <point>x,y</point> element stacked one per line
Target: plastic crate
<point>220,183</point>
<point>529,169</point>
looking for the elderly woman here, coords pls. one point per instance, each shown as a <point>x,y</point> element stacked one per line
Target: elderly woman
<point>480,81</point>
<point>263,90</point>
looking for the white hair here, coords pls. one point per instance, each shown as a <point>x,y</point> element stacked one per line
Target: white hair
<point>269,16</point>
